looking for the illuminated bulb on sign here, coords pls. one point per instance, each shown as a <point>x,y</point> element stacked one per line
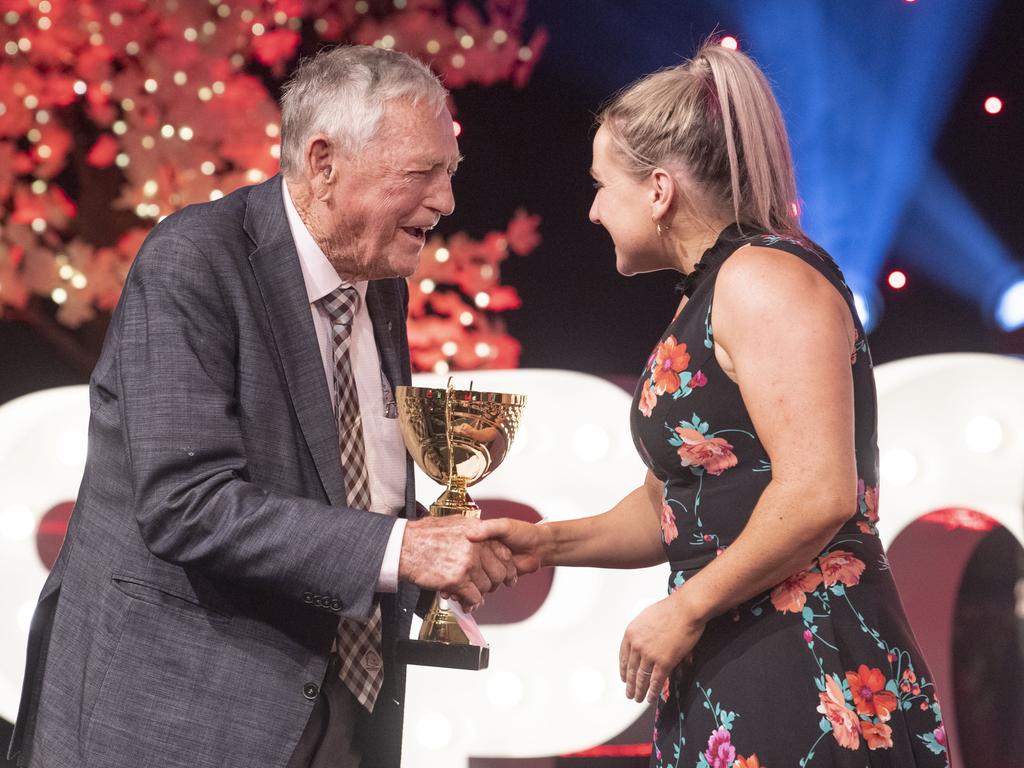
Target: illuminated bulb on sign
<point>258,29</point>
<point>44,151</point>
<point>24,44</point>
<point>388,42</point>
<point>116,19</point>
<point>149,188</point>
<point>458,61</point>
<point>11,48</point>
<point>218,87</point>
<point>993,105</point>
<point>191,35</point>
<point>180,78</point>
<point>120,127</point>
<point>132,48</point>
<point>500,36</point>
<point>983,434</point>
<point>272,130</point>
<point>466,41</point>
<point>34,135</point>
<point>205,94</point>
<point>38,186</point>
<point>899,466</point>
<point>122,160</point>
<point>730,42</point>
<point>185,133</point>
<point>30,102</point>
<point>525,54</point>
<point>148,142</point>
<point>897,280</point>
<point>216,194</point>
<point>44,23</point>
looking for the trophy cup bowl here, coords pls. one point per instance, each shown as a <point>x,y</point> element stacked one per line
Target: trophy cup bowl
<point>457,437</point>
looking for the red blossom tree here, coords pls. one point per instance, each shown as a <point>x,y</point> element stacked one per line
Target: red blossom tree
<point>132,109</point>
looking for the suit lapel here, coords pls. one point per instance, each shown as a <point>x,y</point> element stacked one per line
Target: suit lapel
<point>275,264</point>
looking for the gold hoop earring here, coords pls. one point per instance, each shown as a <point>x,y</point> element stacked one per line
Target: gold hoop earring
<point>658,225</point>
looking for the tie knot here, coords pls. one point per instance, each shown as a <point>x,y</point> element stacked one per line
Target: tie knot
<point>341,304</point>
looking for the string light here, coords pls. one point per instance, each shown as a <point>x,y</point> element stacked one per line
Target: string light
<point>500,36</point>
<point>482,299</point>
<point>449,348</point>
<point>730,42</point>
<point>458,61</point>
<point>427,285</point>
<point>433,46</point>
<point>442,255</point>
<point>59,295</point>
<point>525,54</point>
<point>466,318</point>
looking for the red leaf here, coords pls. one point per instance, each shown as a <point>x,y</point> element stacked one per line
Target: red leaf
<point>103,152</point>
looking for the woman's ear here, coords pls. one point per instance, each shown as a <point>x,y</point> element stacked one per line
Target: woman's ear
<point>662,193</point>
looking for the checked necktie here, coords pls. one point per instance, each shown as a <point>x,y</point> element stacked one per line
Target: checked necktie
<point>358,643</point>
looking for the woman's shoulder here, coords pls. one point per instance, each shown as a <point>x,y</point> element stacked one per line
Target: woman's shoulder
<point>761,278</point>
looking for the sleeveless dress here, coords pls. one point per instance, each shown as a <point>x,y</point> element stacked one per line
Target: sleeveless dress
<point>823,670</point>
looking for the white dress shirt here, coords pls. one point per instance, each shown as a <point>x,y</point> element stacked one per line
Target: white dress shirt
<point>382,437</point>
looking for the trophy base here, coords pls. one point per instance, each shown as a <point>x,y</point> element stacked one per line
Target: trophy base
<point>424,653</point>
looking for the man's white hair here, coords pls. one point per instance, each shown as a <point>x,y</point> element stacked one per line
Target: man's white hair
<point>341,92</point>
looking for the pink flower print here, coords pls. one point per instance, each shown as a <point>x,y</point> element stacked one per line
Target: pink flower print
<point>720,752</point>
<point>842,567</point>
<point>698,380</point>
<point>713,453</point>
<point>668,524</point>
<point>647,399</point>
<point>940,735</point>
<point>845,725</point>
<point>791,595</point>
<point>808,636</point>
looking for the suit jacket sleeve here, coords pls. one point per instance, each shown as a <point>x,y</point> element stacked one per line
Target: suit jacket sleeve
<point>177,350</point>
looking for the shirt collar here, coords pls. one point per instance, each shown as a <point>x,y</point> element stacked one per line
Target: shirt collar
<point>318,275</point>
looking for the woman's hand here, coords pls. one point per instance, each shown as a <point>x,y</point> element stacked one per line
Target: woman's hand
<point>529,542</point>
<point>655,643</point>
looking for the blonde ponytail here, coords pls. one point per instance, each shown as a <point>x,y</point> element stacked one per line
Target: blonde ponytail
<point>716,117</point>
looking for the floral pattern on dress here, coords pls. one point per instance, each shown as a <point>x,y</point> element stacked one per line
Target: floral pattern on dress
<point>666,374</point>
<point>821,670</point>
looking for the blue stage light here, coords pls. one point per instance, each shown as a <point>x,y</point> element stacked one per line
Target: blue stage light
<point>1010,307</point>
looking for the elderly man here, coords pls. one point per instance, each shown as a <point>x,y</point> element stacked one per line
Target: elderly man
<point>237,568</point>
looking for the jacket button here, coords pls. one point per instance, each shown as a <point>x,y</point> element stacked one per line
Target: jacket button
<point>310,691</point>
<point>335,605</point>
<point>307,597</point>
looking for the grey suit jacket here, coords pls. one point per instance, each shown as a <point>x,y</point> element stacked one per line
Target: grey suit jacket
<point>188,619</point>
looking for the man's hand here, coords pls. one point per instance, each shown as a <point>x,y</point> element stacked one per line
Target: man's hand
<point>438,553</point>
<point>531,545</point>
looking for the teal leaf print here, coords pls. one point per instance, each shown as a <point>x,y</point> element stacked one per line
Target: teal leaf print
<point>825,725</point>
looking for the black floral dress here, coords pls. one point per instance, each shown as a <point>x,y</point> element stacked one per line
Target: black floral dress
<point>823,670</point>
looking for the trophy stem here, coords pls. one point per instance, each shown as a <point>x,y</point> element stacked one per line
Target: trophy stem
<point>455,501</point>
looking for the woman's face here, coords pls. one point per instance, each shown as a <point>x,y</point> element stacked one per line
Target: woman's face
<point>622,205</point>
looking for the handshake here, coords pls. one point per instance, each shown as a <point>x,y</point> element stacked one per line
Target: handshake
<point>465,559</point>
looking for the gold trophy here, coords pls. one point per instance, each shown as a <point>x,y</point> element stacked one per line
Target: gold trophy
<point>457,437</point>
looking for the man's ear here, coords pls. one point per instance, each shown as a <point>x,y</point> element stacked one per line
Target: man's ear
<point>662,193</point>
<point>319,165</point>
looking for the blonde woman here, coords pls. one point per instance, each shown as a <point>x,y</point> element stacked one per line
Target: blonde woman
<point>782,641</point>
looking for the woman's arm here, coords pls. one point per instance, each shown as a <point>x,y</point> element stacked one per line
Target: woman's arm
<point>626,536</point>
<point>786,334</point>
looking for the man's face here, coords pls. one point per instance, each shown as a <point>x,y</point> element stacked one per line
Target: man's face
<point>390,193</point>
